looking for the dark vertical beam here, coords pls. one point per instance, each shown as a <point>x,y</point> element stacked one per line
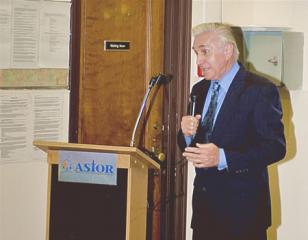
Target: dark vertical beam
<point>74,70</point>
<point>177,63</point>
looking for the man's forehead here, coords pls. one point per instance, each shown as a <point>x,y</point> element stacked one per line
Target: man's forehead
<point>204,40</point>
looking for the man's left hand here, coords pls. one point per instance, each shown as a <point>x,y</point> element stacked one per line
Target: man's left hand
<point>203,155</point>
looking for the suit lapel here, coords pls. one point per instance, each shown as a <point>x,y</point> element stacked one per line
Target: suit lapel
<point>201,95</point>
<point>228,107</point>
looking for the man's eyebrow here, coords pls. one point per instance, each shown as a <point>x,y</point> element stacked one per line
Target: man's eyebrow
<point>201,46</point>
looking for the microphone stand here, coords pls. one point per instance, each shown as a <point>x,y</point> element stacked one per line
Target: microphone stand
<point>145,98</point>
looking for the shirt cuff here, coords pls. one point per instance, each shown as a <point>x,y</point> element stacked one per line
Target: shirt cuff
<point>222,160</point>
<point>188,140</point>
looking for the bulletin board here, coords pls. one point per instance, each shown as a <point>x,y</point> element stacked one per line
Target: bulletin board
<point>34,43</point>
<point>34,76</point>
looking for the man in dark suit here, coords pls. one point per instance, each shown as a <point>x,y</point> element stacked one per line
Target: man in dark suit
<point>235,133</point>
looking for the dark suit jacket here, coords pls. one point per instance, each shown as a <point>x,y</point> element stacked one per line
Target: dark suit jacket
<point>249,129</point>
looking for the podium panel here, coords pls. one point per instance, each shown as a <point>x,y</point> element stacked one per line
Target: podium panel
<point>80,211</point>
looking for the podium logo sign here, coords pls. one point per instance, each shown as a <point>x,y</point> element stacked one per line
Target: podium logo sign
<point>87,167</point>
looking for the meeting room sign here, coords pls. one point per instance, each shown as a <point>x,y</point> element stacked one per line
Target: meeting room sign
<point>87,167</point>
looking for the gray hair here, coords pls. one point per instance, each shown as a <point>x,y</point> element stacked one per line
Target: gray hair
<point>223,31</point>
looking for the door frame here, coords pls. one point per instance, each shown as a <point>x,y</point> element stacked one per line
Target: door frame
<point>74,72</point>
<point>178,15</point>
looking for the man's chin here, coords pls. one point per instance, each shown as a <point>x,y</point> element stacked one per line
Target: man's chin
<point>208,77</point>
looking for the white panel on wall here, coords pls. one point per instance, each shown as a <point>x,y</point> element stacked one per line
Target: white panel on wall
<point>264,54</point>
<point>275,54</point>
<point>293,50</point>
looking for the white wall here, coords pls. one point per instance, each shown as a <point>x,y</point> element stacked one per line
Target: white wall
<point>289,188</point>
<point>23,201</point>
<point>24,182</point>
<point>293,173</point>
<point>1,205</point>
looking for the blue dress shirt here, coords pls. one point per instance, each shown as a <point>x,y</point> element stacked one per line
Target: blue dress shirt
<point>224,83</point>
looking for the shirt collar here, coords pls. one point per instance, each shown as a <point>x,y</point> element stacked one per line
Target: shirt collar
<point>226,80</point>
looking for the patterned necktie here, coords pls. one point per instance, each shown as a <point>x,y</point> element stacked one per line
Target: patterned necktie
<point>208,120</point>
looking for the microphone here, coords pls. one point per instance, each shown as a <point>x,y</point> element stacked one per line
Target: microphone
<point>192,109</point>
<point>162,79</point>
<point>159,80</point>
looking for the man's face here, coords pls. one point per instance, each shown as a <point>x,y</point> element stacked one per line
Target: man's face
<point>212,56</point>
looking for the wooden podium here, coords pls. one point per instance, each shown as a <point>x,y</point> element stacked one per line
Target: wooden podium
<point>130,158</point>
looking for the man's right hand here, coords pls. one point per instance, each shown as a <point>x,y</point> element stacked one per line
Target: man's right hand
<point>189,125</point>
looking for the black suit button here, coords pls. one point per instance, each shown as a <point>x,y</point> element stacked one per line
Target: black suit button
<point>203,189</point>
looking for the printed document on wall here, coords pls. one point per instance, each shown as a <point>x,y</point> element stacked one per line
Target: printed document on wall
<point>28,115</point>
<point>5,30</point>
<point>25,34</point>
<point>50,122</point>
<point>54,35</point>
<point>34,34</point>
<point>15,130</point>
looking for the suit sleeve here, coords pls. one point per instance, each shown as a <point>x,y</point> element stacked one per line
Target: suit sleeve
<point>268,144</point>
<point>181,140</point>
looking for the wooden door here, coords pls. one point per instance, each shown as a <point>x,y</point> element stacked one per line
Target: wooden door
<point>113,83</point>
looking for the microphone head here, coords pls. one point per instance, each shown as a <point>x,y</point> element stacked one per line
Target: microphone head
<point>163,79</point>
<point>192,105</point>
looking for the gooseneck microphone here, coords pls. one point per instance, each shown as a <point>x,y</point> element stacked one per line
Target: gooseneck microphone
<point>159,80</point>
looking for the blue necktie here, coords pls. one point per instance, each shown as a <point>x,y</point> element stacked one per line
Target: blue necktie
<point>208,120</point>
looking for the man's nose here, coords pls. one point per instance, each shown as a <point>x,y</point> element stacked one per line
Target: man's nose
<point>200,59</point>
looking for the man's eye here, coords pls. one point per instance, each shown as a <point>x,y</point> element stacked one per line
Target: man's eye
<point>205,51</point>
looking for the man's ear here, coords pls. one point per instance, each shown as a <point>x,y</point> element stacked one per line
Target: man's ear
<point>228,50</point>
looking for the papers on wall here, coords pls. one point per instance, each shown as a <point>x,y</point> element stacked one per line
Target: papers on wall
<point>5,30</point>
<point>34,34</point>
<point>28,115</point>
<point>25,34</point>
<point>14,128</point>
<point>54,37</point>
<point>34,52</point>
